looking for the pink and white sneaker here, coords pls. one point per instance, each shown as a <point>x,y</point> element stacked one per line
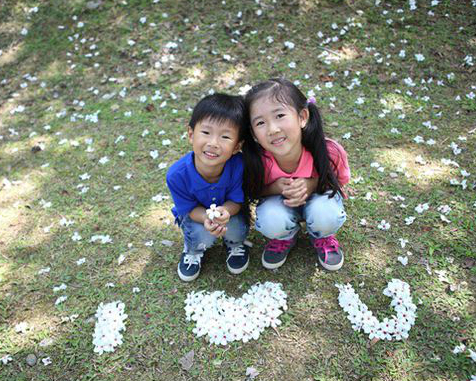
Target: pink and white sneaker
<point>329,254</point>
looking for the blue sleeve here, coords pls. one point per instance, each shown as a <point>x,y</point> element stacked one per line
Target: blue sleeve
<point>235,191</point>
<point>183,200</point>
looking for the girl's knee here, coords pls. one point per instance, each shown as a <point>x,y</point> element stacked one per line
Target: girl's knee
<point>274,219</point>
<point>324,216</point>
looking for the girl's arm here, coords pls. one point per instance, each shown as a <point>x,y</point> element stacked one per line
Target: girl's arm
<point>276,188</point>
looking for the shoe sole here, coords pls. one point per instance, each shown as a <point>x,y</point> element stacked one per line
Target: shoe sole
<point>272,266</point>
<point>238,271</point>
<point>332,267</point>
<point>186,278</point>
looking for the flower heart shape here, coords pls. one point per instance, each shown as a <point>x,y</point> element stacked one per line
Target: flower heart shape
<point>224,319</point>
<point>359,315</point>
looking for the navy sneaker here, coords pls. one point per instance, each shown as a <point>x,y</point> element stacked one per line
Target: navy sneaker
<point>189,266</point>
<point>237,259</point>
<point>276,252</point>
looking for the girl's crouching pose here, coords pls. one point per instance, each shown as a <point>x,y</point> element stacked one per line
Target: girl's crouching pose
<point>296,173</point>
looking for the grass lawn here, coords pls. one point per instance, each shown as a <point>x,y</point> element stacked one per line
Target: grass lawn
<point>88,90</point>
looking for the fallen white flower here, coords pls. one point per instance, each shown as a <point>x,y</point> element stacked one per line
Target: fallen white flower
<point>110,322</point>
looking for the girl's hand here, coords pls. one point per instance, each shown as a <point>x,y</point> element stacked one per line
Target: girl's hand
<point>214,228</point>
<point>297,192</point>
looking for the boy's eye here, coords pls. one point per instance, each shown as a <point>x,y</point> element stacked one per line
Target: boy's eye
<point>225,137</point>
<point>205,133</point>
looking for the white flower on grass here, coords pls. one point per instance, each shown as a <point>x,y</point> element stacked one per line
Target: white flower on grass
<point>419,57</point>
<point>154,154</point>
<point>60,300</point>
<point>160,197</point>
<point>110,285</point>
<point>464,173</point>
<point>76,237</point>
<point>162,165</point>
<point>21,327</point>
<point>45,270</point>
<point>459,348</point>
<point>62,286</point>
<point>418,139</point>
<point>289,44</point>
<point>403,242</point>
<point>420,208</point>
<point>121,259</point>
<point>149,243</point>
<point>80,261</point>
<point>135,290</point>
<point>363,222</point>
<point>110,322</point>
<point>444,209</point>
<point>85,176</point>
<point>292,65</point>
<point>103,160</point>
<point>101,238</point>
<point>6,359</point>
<point>45,204</point>
<point>346,135</point>
<point>223,319</point>
<point>360,101</point>
<point>403,260</point>
<point>362,318</point>
<point>46,361</point>
<point>472,354</point>
<point>384,225</point>
<point>409,220</point>
<point>24,32</point>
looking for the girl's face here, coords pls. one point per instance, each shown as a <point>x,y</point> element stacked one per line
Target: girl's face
<point>278,127</point>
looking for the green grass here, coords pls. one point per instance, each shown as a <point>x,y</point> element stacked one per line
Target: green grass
<point>315,341</point>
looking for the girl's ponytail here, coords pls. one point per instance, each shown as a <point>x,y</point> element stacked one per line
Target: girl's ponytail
<point>314,140</point>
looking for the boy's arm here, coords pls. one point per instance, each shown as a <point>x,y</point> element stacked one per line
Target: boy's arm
<point>198,214</point>
<point>232,207</point>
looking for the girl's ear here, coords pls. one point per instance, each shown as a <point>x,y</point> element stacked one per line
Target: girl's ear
<point>303,117</point>
<point>190,134</point>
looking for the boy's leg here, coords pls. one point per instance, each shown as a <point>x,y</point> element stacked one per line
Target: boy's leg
<point>196,240</point>
<point>324,216</point>
<point>237,253</point>
<point>280,224</point>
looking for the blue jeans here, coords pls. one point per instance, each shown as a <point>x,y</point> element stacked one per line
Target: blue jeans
<point>323,215</point>
<point>197,239</point>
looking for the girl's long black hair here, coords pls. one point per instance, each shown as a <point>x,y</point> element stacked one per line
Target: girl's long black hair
<point>313,139</point>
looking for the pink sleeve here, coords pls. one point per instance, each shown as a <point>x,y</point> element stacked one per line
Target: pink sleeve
<point>339,161</point>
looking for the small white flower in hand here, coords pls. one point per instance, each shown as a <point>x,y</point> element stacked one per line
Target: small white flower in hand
<point>213,212</point>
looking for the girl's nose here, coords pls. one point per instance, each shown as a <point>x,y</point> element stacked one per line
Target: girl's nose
<point>273,128</point>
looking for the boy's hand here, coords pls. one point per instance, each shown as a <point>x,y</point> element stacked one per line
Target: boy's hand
<point>224,216</point>
<point>297,191</point>
<point>214,228</point>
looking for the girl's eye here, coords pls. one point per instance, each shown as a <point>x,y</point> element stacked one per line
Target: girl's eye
<point>280,116</point>
<point>260,123</point>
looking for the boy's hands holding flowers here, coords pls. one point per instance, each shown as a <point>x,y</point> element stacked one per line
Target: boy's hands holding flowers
<point>217,218</point>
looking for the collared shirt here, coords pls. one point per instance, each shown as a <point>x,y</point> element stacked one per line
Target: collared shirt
<point>189,189</point>
<point>306,168</point>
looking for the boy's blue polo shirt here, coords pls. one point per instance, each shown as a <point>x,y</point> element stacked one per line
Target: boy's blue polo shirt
<point>189,189</point>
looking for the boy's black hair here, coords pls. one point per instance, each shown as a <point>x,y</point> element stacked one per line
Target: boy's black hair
<point>221,108</point>
<point>313,139</point>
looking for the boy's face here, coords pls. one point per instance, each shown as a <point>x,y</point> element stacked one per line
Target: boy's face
<point>213,143</point>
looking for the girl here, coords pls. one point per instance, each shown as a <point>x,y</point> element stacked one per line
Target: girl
<point>295,172</point>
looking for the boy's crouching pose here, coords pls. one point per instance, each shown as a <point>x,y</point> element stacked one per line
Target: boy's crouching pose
<point>211,174</point>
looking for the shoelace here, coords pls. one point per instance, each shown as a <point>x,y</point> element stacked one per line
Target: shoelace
<point>192,259</point>
<point>278,245</point>
<point>237,251</point>
<point>328,245</point>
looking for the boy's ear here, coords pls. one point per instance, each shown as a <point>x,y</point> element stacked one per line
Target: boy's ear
<point>238,147</point>
<point>303,117</point>
<point>190,134</point>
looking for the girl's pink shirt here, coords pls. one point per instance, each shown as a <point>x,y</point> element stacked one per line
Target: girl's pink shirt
<point>306,168</point>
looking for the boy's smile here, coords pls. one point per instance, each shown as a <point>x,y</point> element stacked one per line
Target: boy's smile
<point>213,143</point>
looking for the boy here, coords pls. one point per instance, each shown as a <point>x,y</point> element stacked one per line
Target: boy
<point>211,174</point>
